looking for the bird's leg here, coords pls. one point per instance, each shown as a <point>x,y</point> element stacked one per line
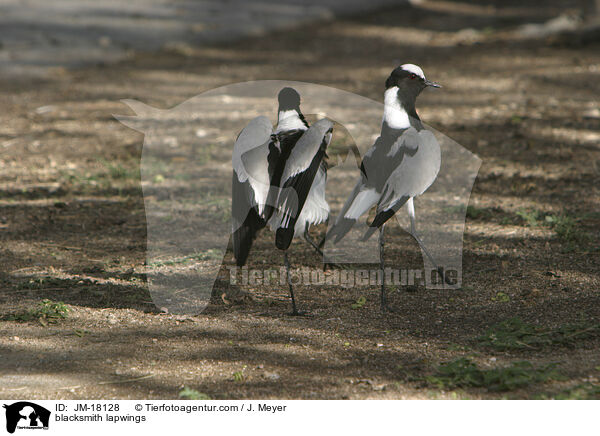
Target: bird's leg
<point>318,247</point>
<point>322,243</point>
<point>382,267</point>
<point>295,311</point>
<point>311,242</point>
<point>413,231</point>
<point>411,213</point>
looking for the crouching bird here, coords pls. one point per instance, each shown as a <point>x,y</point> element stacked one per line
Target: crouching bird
<point>279,179</point>
<point>402,163</point>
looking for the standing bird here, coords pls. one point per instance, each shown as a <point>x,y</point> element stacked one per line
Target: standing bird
<point>279,178</point>
<point>402,163</point>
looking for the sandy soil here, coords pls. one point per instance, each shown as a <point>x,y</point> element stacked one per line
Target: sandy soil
<point>72,221</point>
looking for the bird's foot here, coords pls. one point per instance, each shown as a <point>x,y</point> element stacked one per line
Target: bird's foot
<point>296,312</point>
<point>386,308</point>
<point>327,266</point>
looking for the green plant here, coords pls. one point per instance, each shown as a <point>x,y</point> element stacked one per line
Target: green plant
<point>238,376</point>
<point>501,297</point>
<point>566,229</point>
<point>477,212</point>
<point>585,391</point>
<point>530,217</point>
<point>46,312</point>
<point>359,303</point>
<point>516,119</point>
<point>463,373</point>
<point>117,171</point>
<point>564,226</point>
<point>192,394</point>
<point>456,347</point>
<point>514,334</point>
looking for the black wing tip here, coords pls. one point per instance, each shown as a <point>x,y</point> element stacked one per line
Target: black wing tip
<point>245,235</point>
<point>380,219</point>
<point>241,258</point>
<point>242,242</point>
<point>283,237</point>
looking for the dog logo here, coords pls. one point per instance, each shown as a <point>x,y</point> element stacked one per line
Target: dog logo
<point>26,415</point>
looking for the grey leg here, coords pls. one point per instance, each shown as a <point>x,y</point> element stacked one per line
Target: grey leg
<point>382,267</point>
<point>311,242</point>
<point>322,243</point>
<point>318,247</point>
<point>286,262</point>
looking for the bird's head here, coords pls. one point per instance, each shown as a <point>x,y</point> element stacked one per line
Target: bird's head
<point>410,81</point>
<point>289,99</point>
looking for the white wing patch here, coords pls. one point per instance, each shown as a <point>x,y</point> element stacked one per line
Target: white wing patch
<point>362,203</point>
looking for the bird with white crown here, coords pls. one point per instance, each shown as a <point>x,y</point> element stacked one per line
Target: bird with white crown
<point>402,164</point>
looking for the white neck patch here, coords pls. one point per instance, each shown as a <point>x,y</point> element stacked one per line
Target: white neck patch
<point>415,69</point>
<point>393,113</point>
<point>289,120</point>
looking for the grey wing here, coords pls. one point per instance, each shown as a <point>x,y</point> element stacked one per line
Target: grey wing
<point>409,141</point>
<point>306,148</point>
<point>297,179</point>
<point>250,185</point>
<point>256,133</point>
<point>250,163</point>
<point>415,173</point>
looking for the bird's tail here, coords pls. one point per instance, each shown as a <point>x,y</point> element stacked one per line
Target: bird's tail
<point>360,200</point>
<point>341,227</point>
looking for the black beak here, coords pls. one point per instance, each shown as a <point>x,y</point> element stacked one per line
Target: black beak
<point>432,84</point>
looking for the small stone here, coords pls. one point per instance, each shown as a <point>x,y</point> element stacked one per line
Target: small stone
<point>45,109</point>
<point>104,41</point>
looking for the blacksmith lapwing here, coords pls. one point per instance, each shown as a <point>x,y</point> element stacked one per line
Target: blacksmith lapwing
<point>279,178</point>
<point>402,163</point>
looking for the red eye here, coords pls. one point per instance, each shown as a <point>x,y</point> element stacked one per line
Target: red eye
<point>413,76</point>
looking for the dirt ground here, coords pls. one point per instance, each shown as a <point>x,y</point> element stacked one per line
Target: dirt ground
<point>73,230</point>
